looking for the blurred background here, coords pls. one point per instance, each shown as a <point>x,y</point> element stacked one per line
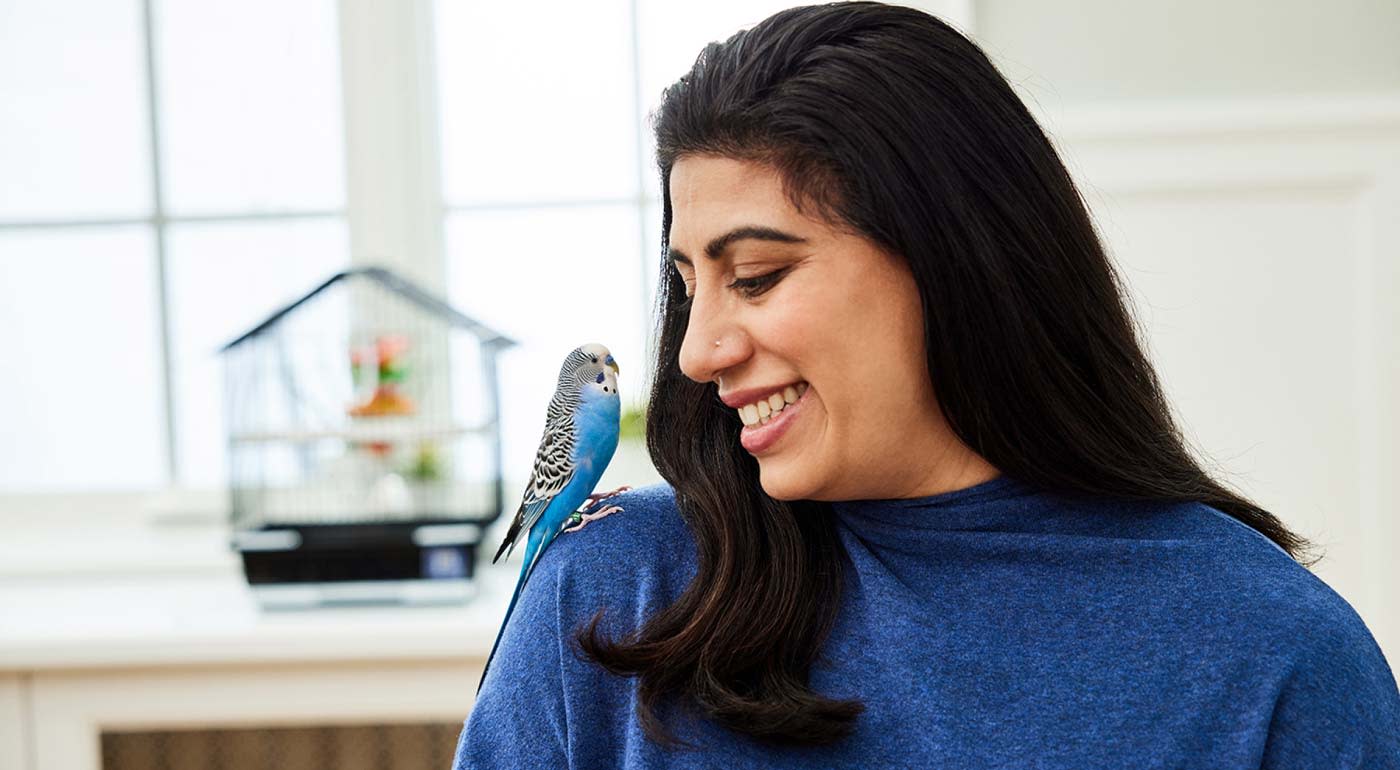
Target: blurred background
<point>480,177</point>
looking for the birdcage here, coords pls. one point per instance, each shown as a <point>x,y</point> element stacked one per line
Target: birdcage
<point>364,446</point>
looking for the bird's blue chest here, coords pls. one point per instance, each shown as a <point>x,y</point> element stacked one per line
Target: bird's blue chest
<point>597,426</point>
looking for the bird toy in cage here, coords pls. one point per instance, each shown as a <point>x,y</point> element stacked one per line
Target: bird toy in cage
<point>382,365</point>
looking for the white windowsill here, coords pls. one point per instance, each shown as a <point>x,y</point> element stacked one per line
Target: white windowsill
<point>151,621</point>
<point>36,552</point>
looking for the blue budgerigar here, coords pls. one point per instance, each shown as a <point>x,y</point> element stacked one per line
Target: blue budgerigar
<point>580,436</point>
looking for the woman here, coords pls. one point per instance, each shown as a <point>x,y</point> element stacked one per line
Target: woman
<point>926,503</point>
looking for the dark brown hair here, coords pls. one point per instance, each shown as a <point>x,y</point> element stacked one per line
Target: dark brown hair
<point>890,123</point>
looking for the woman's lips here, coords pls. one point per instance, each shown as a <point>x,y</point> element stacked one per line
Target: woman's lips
<point>758,438</point>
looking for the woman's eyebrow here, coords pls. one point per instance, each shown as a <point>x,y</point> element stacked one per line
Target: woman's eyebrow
<point>716,247</point>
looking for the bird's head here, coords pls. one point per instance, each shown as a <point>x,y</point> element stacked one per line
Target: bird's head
<point>594,369</point>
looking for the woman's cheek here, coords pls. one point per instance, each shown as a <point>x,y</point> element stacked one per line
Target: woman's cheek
<point>797,322</point>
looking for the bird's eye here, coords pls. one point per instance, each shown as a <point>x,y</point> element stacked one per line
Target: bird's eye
<point>600,377</point>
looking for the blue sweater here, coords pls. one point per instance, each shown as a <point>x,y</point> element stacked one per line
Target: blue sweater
<point>995,626</point>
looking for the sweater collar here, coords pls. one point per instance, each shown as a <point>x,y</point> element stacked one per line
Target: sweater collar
<point>1000,502</point>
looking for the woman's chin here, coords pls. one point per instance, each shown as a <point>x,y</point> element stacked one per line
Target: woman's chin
<point>782,479</point>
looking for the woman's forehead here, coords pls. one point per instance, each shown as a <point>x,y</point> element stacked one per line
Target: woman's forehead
<point>710,196</point>
<point>700,180</point>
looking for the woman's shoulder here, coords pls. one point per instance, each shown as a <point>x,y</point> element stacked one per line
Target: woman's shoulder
<point>643,550</point>
<point>1287,605</point>
<point>1332,670</point>
<point>648,522</point>
<point>627,562</point>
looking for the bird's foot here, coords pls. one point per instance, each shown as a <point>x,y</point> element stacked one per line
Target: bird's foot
<point>580,520</point>
<point>596,496</point>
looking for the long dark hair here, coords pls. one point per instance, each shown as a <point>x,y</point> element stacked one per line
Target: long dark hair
<point>885,120</point>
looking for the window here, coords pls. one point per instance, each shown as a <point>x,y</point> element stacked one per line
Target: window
<point>173,171</point>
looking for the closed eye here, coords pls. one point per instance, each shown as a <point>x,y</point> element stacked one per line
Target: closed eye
<point>752,286</point>
<point>757,281</point>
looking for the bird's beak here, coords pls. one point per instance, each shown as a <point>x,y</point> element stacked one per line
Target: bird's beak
<point>613,365</point>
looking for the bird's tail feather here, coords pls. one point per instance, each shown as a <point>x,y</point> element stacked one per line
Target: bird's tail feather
<point>526,570</point>
<point>512,535</point>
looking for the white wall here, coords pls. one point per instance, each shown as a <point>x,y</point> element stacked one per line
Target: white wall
<point>1085,51</point>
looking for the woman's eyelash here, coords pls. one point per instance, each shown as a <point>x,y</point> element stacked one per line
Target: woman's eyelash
<point>750,286</point>
<point>755,282</point>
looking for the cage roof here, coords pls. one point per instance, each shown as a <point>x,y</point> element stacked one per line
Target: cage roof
<point>396,284</point>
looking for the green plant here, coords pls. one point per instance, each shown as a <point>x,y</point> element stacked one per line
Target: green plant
<point>427,463</point>
<point>634,423</point>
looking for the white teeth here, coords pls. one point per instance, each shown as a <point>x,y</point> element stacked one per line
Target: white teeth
<point>749,414</point>
<point>760,412</point>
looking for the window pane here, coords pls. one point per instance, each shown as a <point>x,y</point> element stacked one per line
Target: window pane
<point>73,131</point>
<point>536,108</point>
<point>82,380</point>
<point>552,280</point>
<point>672,34</point>
<point>250,105</point>
<point>224,279</point>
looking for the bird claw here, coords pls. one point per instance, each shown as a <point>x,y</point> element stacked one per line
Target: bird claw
<point>596,496</point>
<point>581,519</point>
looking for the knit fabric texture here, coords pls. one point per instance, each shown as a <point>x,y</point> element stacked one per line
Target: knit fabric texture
<point>996,626</point>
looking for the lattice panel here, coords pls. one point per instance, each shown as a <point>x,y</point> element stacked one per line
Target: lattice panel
<point>358,747</point>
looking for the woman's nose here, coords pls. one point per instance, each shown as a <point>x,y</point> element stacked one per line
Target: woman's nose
<point>700,358</point>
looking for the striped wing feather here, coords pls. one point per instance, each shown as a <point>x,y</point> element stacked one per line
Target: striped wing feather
<point>554,467</point>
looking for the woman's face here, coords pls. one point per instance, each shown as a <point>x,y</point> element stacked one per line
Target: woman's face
<point>835,312</point>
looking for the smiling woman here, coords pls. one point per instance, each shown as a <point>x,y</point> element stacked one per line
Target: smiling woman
<point>796,300</point>
<point>926,503</point>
